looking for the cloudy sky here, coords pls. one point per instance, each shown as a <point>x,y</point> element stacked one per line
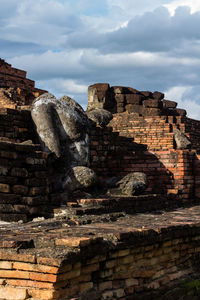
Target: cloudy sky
<point>66,45</point>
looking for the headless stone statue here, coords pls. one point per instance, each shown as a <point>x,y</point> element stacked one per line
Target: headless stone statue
<point>62,126</point>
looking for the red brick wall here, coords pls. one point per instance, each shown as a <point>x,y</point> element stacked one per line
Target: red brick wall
<point>197,176</point>
<point>155,132</point>
<point>23,181</point>
<point>192,129</point>
<point>169,171</point>
<point>16,125</point>
<point>16,79</point>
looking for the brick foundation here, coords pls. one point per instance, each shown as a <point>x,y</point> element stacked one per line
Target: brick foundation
<point>62,263</point>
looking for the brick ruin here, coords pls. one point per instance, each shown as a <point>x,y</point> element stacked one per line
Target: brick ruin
<point>15,88</point>
<point>105,247</point>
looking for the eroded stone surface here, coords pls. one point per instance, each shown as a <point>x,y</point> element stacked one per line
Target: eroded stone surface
<point>100,116</point>
<point>134,183</point>
<point>181,140</point>
<point>80,177</point>
<point>62,127</point>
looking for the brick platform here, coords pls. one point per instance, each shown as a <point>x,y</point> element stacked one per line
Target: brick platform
<point>132,256</point>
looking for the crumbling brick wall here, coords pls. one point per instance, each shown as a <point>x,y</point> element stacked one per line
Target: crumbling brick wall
<point>15,88</point>
<point>16,125</point>
<point>170,171</point>
<point>23,181</point>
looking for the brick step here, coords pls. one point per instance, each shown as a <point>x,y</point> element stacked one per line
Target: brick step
<point>130,205</point>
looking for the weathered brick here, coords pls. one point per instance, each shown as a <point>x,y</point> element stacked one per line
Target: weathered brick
<point>86,286</point>
<point>107,285</point>
<point>14,274</point>
<point>6,265</point>
<point>42,294</point>
<point>4,188</point>
<point>90,268</point>
<point>11,293</point>
<point>41,277</point>
<point>73,241</point>
<point>17,257</point>
<point>30,283</point>
<point>34,267</point>
<point>131,282</point>
<point>69,275</point>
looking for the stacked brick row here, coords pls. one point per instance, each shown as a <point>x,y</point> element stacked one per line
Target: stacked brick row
<point>197,176</point>
<point>108,149</point>
<point>23,181</point>
<point>155,132</point>
<point>169,171</point>
<point>192,129</point>
<point>15,88</point>
<point>142,261</point>
<point>16,125</point>
<point>118,99</point>
<point>11,77</point>
<point>16,97</point>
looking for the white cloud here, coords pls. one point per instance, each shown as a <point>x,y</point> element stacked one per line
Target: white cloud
<point>134,7</point>
<point>67,45</point>
<point>51,64</point>
<point>184,96</point>
<point>65,86</point>
<point>193,4</point>
<point>135,59</point>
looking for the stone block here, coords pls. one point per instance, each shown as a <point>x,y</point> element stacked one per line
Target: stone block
<point>117,89</point>
<point>134,99</point>
<point>133,108</point>
<point>123,90</point>
<point>180,112</point>
<point>169,103</point>
<point>147,94</point>
<point>4,188</point>
<point>158,95</point>
<point>151,111</point>
<point>119,98</point>
<point>99,96</point>
<point>152,103</point>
